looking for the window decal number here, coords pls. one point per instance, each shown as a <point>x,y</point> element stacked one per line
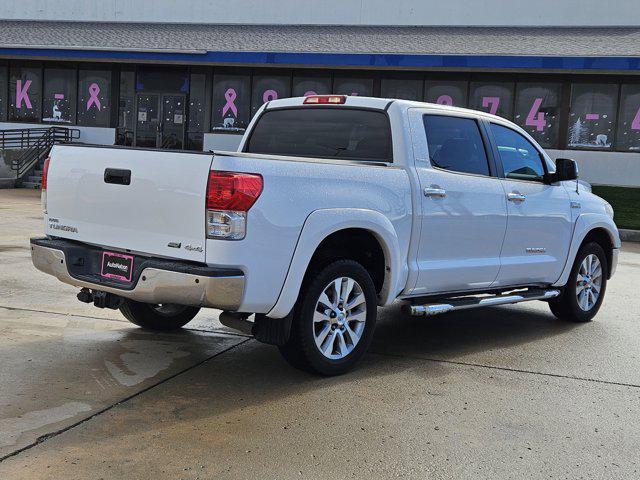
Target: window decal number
<point>635,124</point>
<point>492,103</point>
<point>445,100</point>
<point>269,95</point>
<point>535,118</point>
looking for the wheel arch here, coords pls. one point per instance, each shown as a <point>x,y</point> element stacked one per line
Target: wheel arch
<point>591,227</point>
<point>326,228</point>
<point>602,237</point>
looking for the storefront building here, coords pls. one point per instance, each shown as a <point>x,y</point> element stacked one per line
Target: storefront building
<point>195,86</point>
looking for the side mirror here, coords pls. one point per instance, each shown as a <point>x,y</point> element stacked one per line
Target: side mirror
<point>566,169</point>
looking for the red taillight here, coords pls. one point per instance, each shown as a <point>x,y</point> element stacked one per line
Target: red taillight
<point>233,190</point>
<point>45,171</point>
<point>325,100</point>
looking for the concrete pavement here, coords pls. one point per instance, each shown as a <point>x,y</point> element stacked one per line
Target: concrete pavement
<point>505,392</point>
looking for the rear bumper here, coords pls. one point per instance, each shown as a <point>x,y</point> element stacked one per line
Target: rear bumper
<point>154,280</point>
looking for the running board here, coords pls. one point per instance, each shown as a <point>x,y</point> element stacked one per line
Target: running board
<point>463,303</point>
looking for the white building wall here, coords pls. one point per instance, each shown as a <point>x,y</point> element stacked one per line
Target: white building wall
<point>604,168</point>
<point>93,135</point>
<point>334,12</point>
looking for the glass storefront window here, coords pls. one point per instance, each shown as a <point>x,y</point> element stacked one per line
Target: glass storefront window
<point>453,92</point>
<point>197,119</point>
<point>538,111</point>
<point>169,79</point>
<point>628,137</point>
<point>305,86</point>
<point>402,89</point>
<point>592,115</point>
<point>25,94</point>
<point>59,96</point>
<point>231,102</point>
<point>495,98</point>
<point>3,92</point>
<point>353,86</point>
<point>94,98</point>
<point>267,88</point>
<point>126,106</point>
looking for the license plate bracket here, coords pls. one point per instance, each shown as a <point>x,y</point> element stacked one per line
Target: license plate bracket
<point>117,266</point>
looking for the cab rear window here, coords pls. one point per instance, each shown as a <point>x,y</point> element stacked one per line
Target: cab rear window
<point>335,133</point>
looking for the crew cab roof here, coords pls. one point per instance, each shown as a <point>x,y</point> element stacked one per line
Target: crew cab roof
<point>351,101</point>
<point>379,103</point>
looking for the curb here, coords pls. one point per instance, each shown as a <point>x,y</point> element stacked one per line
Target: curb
<point>629,235</point>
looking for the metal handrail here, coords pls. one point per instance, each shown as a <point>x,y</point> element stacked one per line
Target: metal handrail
<point>37,143</point>
<point>25,137</point>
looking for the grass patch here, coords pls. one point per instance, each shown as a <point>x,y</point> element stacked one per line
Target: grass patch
<point>625,202</point>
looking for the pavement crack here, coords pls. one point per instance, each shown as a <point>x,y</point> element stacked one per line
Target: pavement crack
<point>213,330</point>
<point>47,436</point>
<point>34,310</point>
<point>508,369</point>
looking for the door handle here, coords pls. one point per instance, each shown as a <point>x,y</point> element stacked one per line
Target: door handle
<point>516,197</point>
<point>117,176</point>
<point>435,192</point>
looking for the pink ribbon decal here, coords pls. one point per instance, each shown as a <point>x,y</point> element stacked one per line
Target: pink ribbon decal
<point>22,94</point>
<point>94,90</point>
<point>231,96</point>
<point>269,95</point>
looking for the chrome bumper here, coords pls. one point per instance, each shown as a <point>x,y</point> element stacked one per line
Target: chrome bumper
<point>155,285</point>
<point>615,253</point>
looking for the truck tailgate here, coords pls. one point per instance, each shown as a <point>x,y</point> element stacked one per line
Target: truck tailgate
<point>161,212</point>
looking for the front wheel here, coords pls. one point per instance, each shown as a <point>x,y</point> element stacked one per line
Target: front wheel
<point>334,319</point>
<point>163,317</point>
<point>584,291</point>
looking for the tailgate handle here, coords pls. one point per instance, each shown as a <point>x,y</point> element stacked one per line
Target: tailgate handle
<point>117,176</point>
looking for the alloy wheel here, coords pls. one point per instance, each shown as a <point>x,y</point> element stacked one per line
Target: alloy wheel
<point>339,318</point>
<point>589,282</point>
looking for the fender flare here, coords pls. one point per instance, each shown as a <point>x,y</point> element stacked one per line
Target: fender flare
<point>322,223</point>
<point>585,223</point>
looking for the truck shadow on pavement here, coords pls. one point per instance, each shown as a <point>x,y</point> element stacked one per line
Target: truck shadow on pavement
<point>450,335</point>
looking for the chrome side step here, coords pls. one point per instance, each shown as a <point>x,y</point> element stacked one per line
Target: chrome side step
<point>464,303</point>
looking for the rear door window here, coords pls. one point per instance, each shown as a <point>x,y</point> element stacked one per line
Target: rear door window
<point>455,144</point>
<point>336,133</point>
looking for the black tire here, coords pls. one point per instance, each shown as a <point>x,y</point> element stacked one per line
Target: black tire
<point>566,306</point>
<point>300,350</point>
<point>158,318</point>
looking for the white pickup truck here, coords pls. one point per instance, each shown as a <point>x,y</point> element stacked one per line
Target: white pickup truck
<point>331,207</point>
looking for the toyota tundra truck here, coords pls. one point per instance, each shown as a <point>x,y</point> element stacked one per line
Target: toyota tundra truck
<point>332,207</point>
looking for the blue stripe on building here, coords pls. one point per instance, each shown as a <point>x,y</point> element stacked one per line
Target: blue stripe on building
<point>345,60</point>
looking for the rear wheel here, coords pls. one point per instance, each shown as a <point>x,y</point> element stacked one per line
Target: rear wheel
<point>584,292</point>
<point>333,320</point>
<point>162,317</point>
